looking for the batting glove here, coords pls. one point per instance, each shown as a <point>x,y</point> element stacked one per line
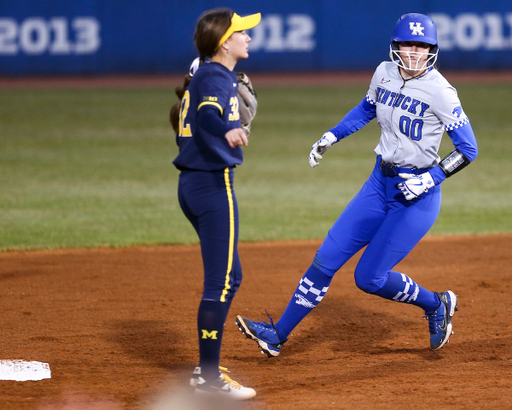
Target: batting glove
<point>319,147</point>
<point>415,185</point>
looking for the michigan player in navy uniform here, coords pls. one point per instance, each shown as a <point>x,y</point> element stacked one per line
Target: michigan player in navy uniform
<point>210,140</point>
<point>414,106</point>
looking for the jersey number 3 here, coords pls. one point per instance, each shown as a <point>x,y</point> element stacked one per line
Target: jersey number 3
<point>184,129</point>
<point>234,115</point>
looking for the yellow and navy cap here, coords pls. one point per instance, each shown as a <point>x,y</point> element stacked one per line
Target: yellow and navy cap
<point>239,24</point>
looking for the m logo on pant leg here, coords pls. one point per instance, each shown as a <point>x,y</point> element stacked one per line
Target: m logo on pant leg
<point>209,335</point>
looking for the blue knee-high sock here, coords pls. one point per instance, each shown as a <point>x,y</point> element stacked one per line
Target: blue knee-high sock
<point>310,291</point>
<point>210,325</point>
<point>403,289</point>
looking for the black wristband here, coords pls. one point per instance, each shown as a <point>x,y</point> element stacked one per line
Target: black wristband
<point>454,162</point>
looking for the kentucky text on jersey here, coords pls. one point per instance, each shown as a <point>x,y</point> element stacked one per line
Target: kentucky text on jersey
<point>402,101</point>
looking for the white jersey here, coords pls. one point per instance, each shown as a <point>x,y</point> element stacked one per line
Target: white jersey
<point>413,115</point>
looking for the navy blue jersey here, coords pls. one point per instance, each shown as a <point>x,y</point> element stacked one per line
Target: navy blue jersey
<point>209,109</point>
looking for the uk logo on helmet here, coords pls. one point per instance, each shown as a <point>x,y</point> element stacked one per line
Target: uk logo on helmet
<point>416,29</point>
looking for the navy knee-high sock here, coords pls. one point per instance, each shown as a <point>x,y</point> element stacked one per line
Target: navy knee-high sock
<point>210,325</point>
<point>310,291</point>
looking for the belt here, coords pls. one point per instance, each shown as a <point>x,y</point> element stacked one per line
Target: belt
<point>390,170</point>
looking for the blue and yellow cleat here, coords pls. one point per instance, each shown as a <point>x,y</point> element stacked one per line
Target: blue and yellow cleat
<point>265,334</point>
<point>440,320</point>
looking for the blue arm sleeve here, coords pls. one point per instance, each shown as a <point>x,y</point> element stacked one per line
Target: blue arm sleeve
<point>208,118</point>
<point>464,139</point>
<point>437,175</point>
<point>356,119</point>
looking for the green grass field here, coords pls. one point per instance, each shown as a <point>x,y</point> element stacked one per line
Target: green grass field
<point>84,168</point>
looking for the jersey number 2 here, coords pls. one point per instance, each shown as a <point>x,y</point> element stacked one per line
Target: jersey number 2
<point>184,129</point>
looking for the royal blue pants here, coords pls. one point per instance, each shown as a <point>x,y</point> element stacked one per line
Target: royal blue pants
<point>380,218</point>
<point>208,201</point>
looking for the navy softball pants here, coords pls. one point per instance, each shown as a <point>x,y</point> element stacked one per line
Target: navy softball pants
<point>208,201</point>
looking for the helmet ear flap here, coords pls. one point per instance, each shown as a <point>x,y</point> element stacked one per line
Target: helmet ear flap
<point>434,50</point>
<point>394,54</point>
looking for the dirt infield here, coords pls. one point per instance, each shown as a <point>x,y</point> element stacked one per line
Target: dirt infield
<point>117,327</point>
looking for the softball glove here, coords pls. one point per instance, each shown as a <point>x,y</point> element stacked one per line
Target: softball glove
<point>248,104</point>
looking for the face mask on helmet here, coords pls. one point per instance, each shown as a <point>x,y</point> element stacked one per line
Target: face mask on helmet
<point>414,27</point>
<point>413,60</point>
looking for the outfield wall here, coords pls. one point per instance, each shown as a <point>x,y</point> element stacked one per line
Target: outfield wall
<point>90,37</point>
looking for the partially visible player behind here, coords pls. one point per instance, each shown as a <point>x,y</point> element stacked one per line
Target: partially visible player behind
<point>414,105</point>
<point>210,139</point>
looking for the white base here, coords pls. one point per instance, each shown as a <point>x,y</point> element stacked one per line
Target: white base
<point>21,371</point>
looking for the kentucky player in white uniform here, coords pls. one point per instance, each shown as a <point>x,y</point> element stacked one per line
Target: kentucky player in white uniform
<point>414,105</point>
